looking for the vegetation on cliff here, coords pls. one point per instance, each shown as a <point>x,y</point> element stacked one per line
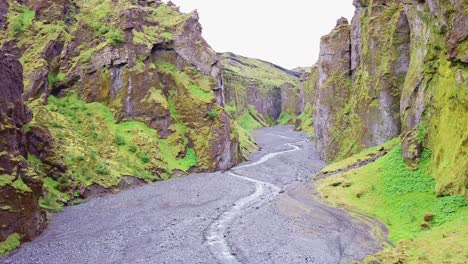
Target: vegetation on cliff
<point>121,92</point>
<point>391,73</point>
<point>402,80</point>
<point>259,93</point>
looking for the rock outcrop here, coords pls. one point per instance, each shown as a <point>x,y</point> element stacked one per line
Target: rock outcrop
<point>122,92</point>
<point>398,69</point>
<point>143,60</point>
<point>259,93</point>
<point>20,214</point>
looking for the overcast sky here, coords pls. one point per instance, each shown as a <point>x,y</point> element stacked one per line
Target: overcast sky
<point>284,32</point>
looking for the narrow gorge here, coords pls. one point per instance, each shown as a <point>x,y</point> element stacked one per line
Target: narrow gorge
<point>126,138</point>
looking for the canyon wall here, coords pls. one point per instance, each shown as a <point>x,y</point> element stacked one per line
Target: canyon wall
<point>259,93</point>
<point>19,188</point>
<point>120,93</point>
<point>398,69</point>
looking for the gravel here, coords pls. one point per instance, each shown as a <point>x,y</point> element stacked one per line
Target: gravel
<point>261,213</point>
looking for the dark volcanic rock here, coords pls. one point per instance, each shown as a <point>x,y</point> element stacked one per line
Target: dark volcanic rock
<point>19,212</point>
<point>3,12</point>
<point>49,10</point>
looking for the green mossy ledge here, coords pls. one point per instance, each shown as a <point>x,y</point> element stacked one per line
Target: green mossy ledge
<point>421,225</point>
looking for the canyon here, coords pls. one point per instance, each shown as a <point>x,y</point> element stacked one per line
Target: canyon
<point>101,96</point>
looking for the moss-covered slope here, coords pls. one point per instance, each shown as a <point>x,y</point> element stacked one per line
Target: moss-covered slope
<point>425,228</point>
<point>259,93</point>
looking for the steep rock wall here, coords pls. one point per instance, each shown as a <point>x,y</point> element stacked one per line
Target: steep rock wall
<point>20,215</point>
<point>406,75</point>
<point>260,89</point>
<point>144,60</point>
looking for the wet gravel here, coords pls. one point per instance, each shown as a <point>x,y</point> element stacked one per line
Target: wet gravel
<point>170,222</point>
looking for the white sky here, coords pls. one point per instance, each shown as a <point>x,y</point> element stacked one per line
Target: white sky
<point>285,32</point>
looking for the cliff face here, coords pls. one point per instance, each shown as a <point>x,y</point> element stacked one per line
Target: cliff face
<point>122,92</point>
<point>399,68</point>
<point>143,60</point>
<point>259,93</point>
<point>19,189</point>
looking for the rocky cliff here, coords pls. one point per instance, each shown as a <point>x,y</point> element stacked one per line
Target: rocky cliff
<point>399,69</point>
<point>19,189</point>
<point>122,92</point>
<point>260,93</point>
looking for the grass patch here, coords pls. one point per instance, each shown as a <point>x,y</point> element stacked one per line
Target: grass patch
<point>115,37</point>
<point>54,199</point>
<point>285,119</point>
<point>54,78</point>
<point>248,123</point>
<point>212,114</point>
<point>12,242</point>
<point>200,94</point>
<point>445,243</point>
<point>22,20</point>
<point>423,226</point>
<point>362,156</point>
<point>20,185</point>
<point>304,121</point>
<point>389,191</point>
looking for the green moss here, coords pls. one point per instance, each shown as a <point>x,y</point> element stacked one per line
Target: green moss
<point>54,199</point>
<point>21,186</point>
<point>285,119</point>
<point>388,190</point>
<point>446,131</point>
<point>148,37</point>
<point>12,242</point>
<point>54,78</point>
<point>21,20</point>
<point>167,36</point>
<point>248,123</point>
<point>156,96</point>
<point>6,180</point>
<point>305,122</point>
<point>231,110</point>
<point>115,37</point>
<point>213,114</point>
<point>360,157</point>
<point>200,94</point>
<point>246,143</point>
<point>85,55</point>
<point>94,14</point>
<point>94,145</point>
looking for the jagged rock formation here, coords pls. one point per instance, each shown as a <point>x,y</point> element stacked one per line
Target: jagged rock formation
<point>123,92</point>
<point>259,93</point>
<point>19,189</point>
<point>398,69</point>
